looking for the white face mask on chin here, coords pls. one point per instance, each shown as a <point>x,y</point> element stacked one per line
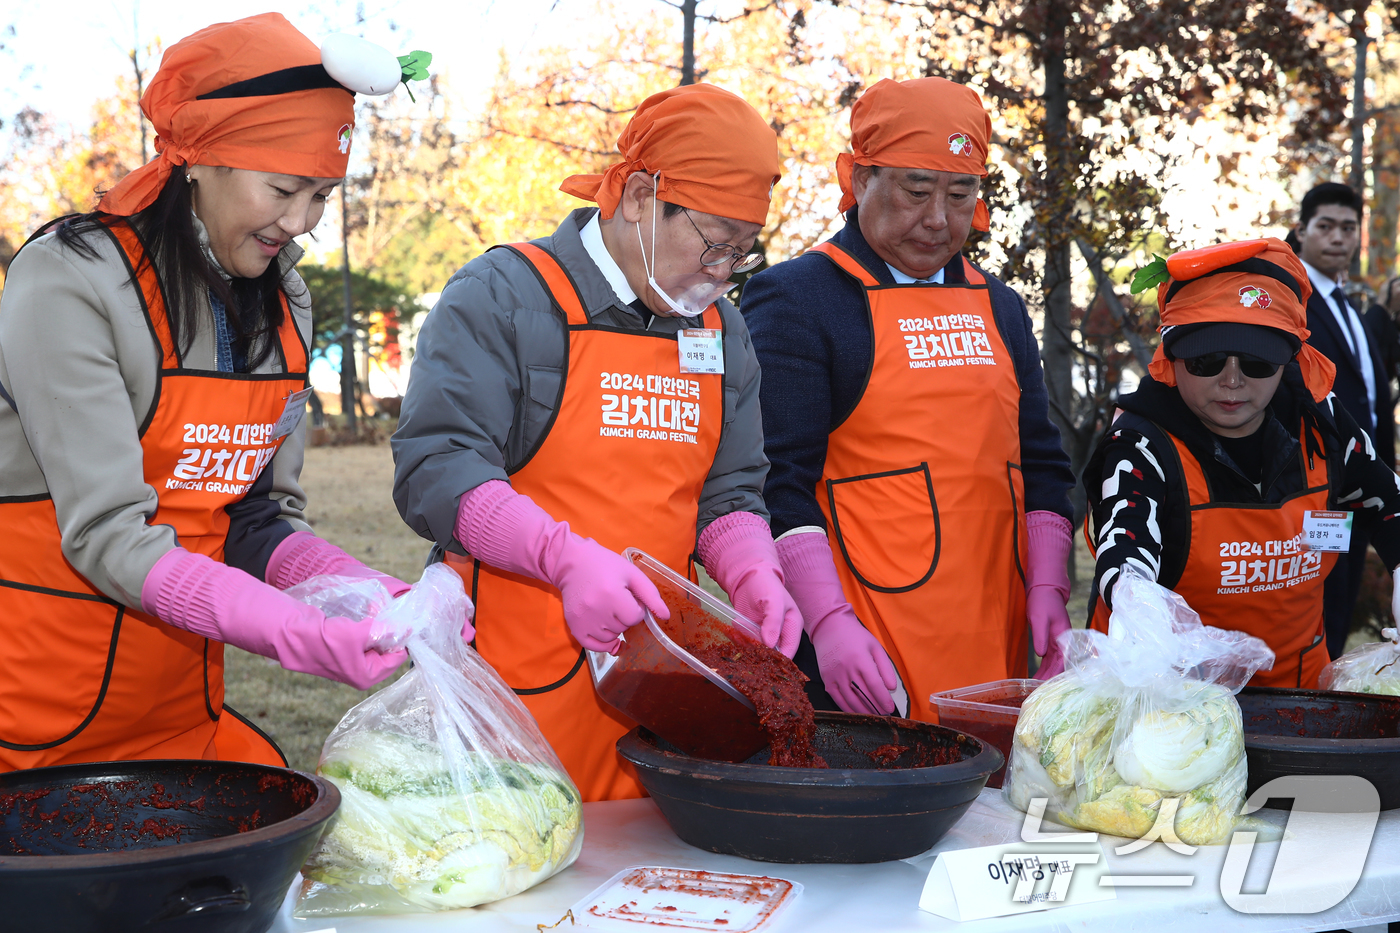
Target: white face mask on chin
<point>685,295</point>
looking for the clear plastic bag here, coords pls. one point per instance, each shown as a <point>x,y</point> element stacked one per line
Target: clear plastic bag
<point>355,598</point>
<point>450,796</point>
<point>1142,715</point>
<point>1369,668</point>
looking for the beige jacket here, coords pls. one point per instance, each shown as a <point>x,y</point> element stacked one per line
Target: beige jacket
<point>78,375</point>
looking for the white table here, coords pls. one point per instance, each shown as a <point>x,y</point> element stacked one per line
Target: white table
<point>885,896</point>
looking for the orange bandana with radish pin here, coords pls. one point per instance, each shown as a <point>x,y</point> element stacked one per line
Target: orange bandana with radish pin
<point>928,123</point>
<point>1258,282</point>
<point>256,94</point>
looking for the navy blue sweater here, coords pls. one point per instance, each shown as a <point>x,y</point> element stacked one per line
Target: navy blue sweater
<point>814,343</point>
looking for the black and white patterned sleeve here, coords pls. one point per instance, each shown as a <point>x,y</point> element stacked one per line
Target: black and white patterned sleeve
<point>1128,517</point>
<point>1368,486</point>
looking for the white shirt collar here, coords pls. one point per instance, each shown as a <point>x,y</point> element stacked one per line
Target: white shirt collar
<point>1349,320</point>
<point>592,236</point>
<point>1321,282</point>
<point>901,279</point>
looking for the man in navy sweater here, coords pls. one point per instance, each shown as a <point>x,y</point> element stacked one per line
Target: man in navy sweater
<point>919,492</point>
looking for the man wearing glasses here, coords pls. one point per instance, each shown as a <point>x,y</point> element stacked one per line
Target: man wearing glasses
<point>1233,476</point>
<point>919,491</point>
<point>592,391</point>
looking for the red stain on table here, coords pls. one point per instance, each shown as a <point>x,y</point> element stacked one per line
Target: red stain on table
<point>683,898</point>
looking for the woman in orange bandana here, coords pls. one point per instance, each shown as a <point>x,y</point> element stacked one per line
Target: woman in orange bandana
<point>153,361</point>
<point>1211,479</point>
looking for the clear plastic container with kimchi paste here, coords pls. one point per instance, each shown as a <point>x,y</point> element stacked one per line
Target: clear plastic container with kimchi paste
<point>988,711</point>
<point>655,681</point>
<point>657,899</point>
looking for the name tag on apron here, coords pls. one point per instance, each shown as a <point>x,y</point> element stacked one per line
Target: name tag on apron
<point>702,350</point>
<point>1327,531</point>
<point>291,414</point>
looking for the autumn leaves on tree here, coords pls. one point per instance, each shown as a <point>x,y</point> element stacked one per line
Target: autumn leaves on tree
<point>1102,114</point>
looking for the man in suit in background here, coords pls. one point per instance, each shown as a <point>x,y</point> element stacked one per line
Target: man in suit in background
<point>1381,320</point>
<point>1328,235</point>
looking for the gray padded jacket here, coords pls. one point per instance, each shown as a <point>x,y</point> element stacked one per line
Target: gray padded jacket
<point>490,368</point>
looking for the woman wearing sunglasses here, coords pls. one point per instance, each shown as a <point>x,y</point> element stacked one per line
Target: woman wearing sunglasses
<point>1211,477</point>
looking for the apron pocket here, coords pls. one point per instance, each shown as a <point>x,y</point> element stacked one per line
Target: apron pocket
<point>887,527</point>
<point>731,402</point>
<point>55,665</point>
<point>538,406</point>
<point>1016,482</point>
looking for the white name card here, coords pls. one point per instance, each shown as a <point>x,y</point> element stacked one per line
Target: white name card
<point>1327,531</point>
<point>702,350</point>
<point>1015,878</point>
<point>291,413</point>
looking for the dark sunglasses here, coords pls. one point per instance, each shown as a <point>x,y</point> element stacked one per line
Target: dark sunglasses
<point>1213,363</point>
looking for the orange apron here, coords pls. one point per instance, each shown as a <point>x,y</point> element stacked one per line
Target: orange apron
<point>922,488</point>
<point>623,462</point>
<point>84,678</point>
<point>1248,571</point>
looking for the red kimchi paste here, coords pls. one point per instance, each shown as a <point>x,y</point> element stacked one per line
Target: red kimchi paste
<point>773,684</point>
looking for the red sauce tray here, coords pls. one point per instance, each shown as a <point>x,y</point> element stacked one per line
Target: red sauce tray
<point>657,898</point>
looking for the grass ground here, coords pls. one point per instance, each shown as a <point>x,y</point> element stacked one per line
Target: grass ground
<point>348,489</point>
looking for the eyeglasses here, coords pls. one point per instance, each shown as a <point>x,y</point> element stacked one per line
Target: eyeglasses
<point>719,253</point>
<point>1212,364</point>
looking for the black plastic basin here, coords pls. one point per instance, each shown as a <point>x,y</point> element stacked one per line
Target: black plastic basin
<point>167,846</point>
<point>1289,731</point>
<point>864,808</point>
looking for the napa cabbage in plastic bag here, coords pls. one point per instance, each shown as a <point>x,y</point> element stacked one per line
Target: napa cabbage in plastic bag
<point>450,796</point>
<point>1372,668</point>
<point>1142,715</point>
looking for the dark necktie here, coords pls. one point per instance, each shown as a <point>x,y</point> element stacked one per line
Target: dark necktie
<point>1340,297</point>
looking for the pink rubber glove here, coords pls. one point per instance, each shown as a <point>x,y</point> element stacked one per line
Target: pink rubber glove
<point>603,593</point>
<point>1049,540</point>
<point>201,595</point>
<point>737,550</point>
<point>302,555</point>
<point>851,660</point>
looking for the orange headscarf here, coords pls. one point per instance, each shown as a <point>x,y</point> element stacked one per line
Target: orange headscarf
<point>298,133</point>
<point>1241,283</point>
<point>928,123</point>
<point>713,151</point>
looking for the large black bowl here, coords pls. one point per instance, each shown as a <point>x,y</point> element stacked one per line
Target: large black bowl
<point>155,845</point>
<point>865,808</point>
<point>1320,732</point>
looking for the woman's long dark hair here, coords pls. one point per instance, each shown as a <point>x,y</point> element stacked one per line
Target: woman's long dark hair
<point>172,246</point>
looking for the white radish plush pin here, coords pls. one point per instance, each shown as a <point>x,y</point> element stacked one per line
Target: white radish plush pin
<point>366,68</point>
